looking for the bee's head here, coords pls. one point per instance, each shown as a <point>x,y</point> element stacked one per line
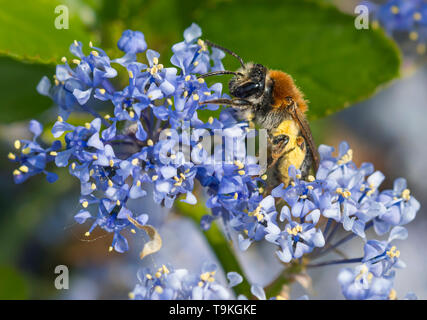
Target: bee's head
<point>249,82</point>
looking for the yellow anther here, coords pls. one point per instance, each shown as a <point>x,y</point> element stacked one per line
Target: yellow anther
<point>201,80</point>
<point>293,183</point>
<point>53,153</point>
<point>102,91</point>
<point>131,295</point>
<point>76,61</point>
<point>205,276</point>
<point>210,120</point>
<point>421,48</point>
<point>185,93</point>
<point>200,284</point>
<point>95,53</point>
<point>135,161</point>
<point>60,119</point>
<point>138,183</point>
<point>346,158</point>
<point>118,202</point>
<point>110,248</point>
<point>303,196</point>
<point>158,289</point>
<point>150,143</point>
<point>375,24</point>
<point>406,194</point>
<point>16,172</point>
<point>56,82</point>
<point>176,178</point>
<point>73,165</point>
<point>26,150</point>
<point>11,156</point>
<point>93,186</point>
<point>63,59</point>
<point>298,176</point>
<point>149,276</point>
<point>338,190</point>
<point>310,187</point>
<point>169,101</point>
<point>346,194</point>
<point>133,231</point>
<point>85,204</point>
<point>241,172</point>
<point>413,36</point>
<point>130,74</point>
<point>395,9</point>
<point>76,43</point>
<point>87,125</point>
<point>196,63</point>
<point>370,276</point>
<point>258,216</point>
<point>261,190</point>
<point>207,93</point>
<point>90,44</point>
<point>239,164</point>
<point>417,16</point>
<point>392,295</point>
<point>173,156</point>
<point>199,145</point>
<point>187,78</point>
<point>23,169</point>
<point>131,114</point>
<point>156,60</point>
<point>236,196</point>
<point>111,162</point>
<point>107,116</point>
<point>95,157</point>
<point>110,183</point>
<point>211,279</point>
<point>155,177</point>
<point>264,177</point>
<point>158,274</point>
<point>91,172</point>
<point>17,144</point>
<point>87,234</point>
<point>279,297</point>
<point>165,269</point>
<point>195,97</point>
<point>310,178</point>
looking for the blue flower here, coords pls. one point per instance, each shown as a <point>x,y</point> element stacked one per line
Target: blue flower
<point>132,42</point>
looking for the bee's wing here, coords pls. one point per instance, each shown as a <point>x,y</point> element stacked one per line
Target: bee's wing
<point>306,132</point>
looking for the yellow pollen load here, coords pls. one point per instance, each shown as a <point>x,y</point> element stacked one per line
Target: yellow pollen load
<point>395,9</point>
<point>53,153</point>
<point>149,276</point>
<point>393,252</point>
<point>76,61</point>
<point>417,16</point>
<point>63,59</point>
<point>150,143</point>
<point>23,169</point>
<point>111,163</point>
<point>201,80</point>
<point>102,91</point>
<point>85,204</point>
<point>392,295</point>
<point>346,158</point>
<point>187,78</point>
<point>17,144</point>
<point>87,234</point>
<point>94,53</point>
<point>73,165</point>
<point>406,194</point>
<point>155,177</point>
<point>87,125</point>
<point>110,183</point>
<point>413,35</point>
<point>93,186</point>
<point>11,156</point>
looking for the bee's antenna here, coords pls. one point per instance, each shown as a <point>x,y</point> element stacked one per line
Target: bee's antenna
<point>216,73</point>
<point>211,44</point>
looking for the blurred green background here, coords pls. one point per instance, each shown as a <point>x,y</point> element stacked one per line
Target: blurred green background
<point>335,65</point>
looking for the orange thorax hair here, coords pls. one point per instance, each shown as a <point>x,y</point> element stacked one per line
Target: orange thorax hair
<point>284,87</point>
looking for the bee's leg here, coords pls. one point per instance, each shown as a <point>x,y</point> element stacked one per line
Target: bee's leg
<point>235,102</point>
<point>278,147</point>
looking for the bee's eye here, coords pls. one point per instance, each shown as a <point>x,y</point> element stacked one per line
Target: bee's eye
<point>247,89</point>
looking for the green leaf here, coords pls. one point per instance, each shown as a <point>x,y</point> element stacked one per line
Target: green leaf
<point>28,32</point>
<point>20,99</point>
<point>334,64</point>
<point>13,284</point>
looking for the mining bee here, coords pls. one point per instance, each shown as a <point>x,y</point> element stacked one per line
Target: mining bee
<point>271,99</point>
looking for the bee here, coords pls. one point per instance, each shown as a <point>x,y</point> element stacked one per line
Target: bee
<point>271,99</point>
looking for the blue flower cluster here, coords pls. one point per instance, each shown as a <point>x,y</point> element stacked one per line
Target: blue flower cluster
<point>168,283</point>
<point>409,16</point>
<point>152,137</point>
